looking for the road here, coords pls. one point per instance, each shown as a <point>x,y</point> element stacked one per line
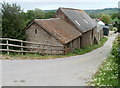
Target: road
<point>69,71</point>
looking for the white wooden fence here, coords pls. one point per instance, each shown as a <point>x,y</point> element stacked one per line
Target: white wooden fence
<point>29,47</point>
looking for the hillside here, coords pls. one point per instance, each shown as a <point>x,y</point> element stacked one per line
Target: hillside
<point>107,11</point>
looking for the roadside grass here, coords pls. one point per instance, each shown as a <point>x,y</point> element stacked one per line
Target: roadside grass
<point>109,70</point>
<point>30,56</point>
<point>75,52</point>
<point>88,48</point>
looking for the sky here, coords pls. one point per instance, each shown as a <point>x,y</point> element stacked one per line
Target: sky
<point>55,4</point>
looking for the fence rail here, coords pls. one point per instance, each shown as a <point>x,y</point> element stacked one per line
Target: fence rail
<point>29,47</point>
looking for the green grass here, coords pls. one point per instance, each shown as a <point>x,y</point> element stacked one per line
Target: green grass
<point>88,48</point>
<point>76,52</point>
<point>108,72</point>
<point>31,56</point>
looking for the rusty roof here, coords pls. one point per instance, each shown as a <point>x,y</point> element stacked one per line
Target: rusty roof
<point>79,18</point>
<point>59,28</point>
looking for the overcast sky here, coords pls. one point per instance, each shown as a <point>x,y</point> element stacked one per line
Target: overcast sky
<point>55,4</point>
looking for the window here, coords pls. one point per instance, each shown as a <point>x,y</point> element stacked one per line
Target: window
<point>77,23</point>
<point>85,20</point>
<point>36,31</point>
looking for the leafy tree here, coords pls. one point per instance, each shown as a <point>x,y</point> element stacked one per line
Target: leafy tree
<point>39,13</point>
<point>116,20</point>
<point>30,15</point>
<point>34,14</point>
<point>49,14</point>
<point>114,15</point>
<point>105,18</point>
<point>12,21</point>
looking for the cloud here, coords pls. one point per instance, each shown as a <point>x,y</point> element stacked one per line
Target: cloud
<point>61,1</point>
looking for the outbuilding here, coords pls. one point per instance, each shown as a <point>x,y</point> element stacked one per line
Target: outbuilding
<point>54,31</point>
<point>70,29</point>
<point>82,22</point>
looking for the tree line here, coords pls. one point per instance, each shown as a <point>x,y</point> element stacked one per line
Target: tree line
<point>14,19</point>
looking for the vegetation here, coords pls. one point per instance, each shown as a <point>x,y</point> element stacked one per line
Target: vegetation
<point>37,14</point>
<point>105,19</point>
<point>14,19</point>
<point>108,72</point>
<point>108,15</point>
<point>115,18</point>
<point>38,56</point>
<point>99,12</point>
<point>88,48</point>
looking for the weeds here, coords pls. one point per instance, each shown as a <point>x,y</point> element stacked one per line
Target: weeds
<point>88,48</point>
<point>108,72</point>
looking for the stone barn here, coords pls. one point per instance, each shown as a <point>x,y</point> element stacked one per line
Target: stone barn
<point>70,29</point>
<point>82,22</point>
<point>54,31</point>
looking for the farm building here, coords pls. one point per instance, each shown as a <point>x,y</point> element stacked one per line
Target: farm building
<point>54,31</point>
<point>98,33</point>
<point>70,29</point>
<point>81,21</point>
<point>105,28</point>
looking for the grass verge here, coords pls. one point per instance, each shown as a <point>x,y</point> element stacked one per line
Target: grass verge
<point>88,48</point>
<point>108,72</point>
<point>76,52</point>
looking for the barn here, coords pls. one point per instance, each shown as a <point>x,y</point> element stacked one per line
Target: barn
<point>69,28</point>
<point>83,23</point>
<point>54,31</point>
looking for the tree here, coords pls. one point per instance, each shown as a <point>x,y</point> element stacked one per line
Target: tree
<point>12,21</point>
<point>105,19</point>
<point>30,15</point>
<point>49,14</point>
<point>114,15</point>
<point>39,13</point>
<point>34,14</point>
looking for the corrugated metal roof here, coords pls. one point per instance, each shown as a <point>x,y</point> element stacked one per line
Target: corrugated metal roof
<point>59,28</point>
<point>80,18</point>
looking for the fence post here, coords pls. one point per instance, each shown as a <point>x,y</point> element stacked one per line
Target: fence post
<point>22,48</point>
<point>7,47</point>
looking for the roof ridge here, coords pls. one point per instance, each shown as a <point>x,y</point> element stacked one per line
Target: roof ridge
<point>71,9</point>
<point>47,19</point>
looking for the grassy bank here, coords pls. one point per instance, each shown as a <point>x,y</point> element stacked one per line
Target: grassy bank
<point>108,72</point>
<point>76,52</point>
<point>88,48</point>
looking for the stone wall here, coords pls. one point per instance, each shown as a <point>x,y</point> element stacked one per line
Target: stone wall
<point>87,39</point>
<point>36,34</point>
<point>60,14</point>
<point>71,46</point>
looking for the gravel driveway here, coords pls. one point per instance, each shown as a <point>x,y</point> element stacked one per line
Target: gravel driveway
<point>69,71</point>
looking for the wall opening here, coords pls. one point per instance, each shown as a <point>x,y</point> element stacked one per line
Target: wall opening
<point>68,45</point>
<point>36,31</point>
